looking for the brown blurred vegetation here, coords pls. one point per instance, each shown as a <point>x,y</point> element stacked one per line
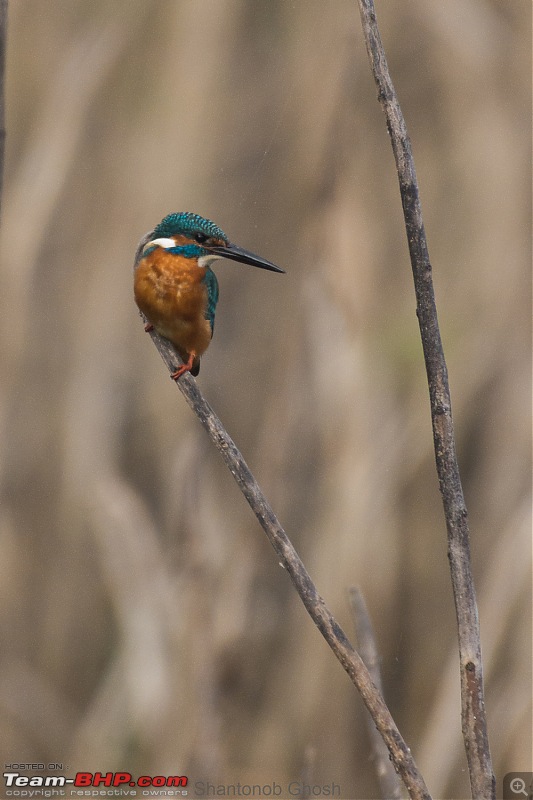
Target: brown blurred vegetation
<point>146,624</point>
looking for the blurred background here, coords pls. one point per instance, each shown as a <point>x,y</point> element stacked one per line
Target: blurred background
<point>146,623</point>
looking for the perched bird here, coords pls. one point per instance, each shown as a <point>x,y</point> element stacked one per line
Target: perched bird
<point>175,287</point>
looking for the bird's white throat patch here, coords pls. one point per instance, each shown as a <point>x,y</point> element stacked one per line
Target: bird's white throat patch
<point>207,260</point>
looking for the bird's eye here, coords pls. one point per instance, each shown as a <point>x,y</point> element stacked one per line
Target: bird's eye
<point>200,237</point>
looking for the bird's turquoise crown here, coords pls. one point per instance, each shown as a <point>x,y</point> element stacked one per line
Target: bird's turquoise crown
<point>183,222</point>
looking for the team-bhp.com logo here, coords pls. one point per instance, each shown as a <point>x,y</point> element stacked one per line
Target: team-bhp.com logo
<point>15,781</point>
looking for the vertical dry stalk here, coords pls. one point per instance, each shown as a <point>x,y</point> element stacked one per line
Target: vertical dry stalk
<point>391,788</point>
<point>474,723</point>
<point>3,38</point>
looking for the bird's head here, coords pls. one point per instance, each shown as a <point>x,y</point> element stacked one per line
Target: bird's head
<point>193,236</point>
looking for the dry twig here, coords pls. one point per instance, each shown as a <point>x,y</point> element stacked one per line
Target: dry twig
<point>318,611</point>
<point>391,788</point>
<point>474,724</point>
<point>3,38</point>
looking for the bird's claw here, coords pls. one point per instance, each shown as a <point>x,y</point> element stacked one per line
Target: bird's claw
<point>183,368</point>
<point>179,372</point>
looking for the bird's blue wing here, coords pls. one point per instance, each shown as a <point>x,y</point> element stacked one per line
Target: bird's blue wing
<point>211,282</point>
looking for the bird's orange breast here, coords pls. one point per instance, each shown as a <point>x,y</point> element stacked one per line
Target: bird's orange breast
<point>170,291</point>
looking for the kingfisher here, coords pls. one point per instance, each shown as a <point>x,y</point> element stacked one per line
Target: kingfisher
<point>175,287</point>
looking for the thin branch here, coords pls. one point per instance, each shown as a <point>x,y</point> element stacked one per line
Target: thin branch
<point>3,41</point>
<point>474,724</point>
<point>290,560</point>
<point>391,788</point>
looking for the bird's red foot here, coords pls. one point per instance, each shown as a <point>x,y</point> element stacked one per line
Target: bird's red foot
<point>148,327</point>
<point>183,368</point>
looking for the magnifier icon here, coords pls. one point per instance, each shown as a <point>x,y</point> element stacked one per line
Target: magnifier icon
<point>518,786</point>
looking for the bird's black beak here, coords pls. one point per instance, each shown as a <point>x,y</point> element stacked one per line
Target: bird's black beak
<point>244,256</point>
